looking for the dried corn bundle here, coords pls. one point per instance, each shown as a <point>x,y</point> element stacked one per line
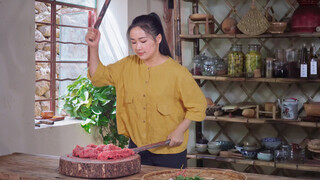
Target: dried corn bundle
<point>253,23</point>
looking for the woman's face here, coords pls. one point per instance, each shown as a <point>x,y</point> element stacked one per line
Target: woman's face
<point>143,44</point>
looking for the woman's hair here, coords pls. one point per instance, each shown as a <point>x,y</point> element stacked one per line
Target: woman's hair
<point>151,24</point>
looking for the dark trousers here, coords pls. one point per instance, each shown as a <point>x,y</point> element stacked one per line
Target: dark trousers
<point>164,160</point>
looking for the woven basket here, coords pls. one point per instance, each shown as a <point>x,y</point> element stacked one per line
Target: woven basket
<point>192,172</point>
<point>275,27</point>
<point>253,23</point>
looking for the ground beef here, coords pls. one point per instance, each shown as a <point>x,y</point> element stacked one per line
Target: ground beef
<point>101,152</point>
<point>89,152</point>
<point>77,150</point>
<point>115,154</point>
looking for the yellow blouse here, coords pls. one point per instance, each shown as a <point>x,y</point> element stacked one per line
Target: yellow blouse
<point>152,101</point>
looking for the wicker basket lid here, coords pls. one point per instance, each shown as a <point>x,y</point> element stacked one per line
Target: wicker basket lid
<point>253,23</point>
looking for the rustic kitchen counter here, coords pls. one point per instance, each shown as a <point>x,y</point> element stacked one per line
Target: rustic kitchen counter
<point>28,166</point>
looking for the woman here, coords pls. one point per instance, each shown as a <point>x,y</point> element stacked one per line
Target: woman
<point>157,98</point>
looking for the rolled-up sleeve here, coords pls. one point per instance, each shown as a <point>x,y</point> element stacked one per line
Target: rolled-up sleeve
<point>106,75</point>
<point>192,97</point>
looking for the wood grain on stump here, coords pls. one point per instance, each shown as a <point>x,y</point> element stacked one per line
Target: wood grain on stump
<point>92,168</point>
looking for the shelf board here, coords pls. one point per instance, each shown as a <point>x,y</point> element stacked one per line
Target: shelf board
<point>243,79</point>
<point>309,165</point>
<point>241,119</point>
<point>243,36</point>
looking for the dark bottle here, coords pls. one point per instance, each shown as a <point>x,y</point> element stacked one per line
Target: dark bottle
<point>304,62</point>
<point>313,66</point>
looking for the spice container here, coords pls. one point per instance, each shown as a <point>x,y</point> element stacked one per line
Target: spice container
<point>253,61</point>
<point>209,67</point>
<point>235,61</point>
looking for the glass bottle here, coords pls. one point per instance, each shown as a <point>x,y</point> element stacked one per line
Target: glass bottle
<point>269,67</point>
<point>304,62</point>
<point>235,61</point>
<point>253,61</point>
<point>313,63</point>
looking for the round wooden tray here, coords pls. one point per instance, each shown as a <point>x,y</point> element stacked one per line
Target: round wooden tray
<point>192,172</point>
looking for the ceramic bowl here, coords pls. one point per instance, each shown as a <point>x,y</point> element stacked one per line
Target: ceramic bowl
<point>225,145</point>
<point>250,148</point>
<point>265,155</point>
<point>215,151</point>
<point>202,141</point>
<point>271,142</point>
<point>239,148</point>
<point>248,143</point>
<point>201,148</point>
<point>249,154</point>
<point>213,145</point>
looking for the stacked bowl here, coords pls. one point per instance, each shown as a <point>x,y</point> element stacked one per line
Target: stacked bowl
<point>214,148</point>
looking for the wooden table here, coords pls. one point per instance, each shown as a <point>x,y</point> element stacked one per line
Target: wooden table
<point>28,166</point>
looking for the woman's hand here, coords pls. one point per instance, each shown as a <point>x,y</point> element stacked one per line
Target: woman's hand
<point>93,37</point>
<point>177,136</point>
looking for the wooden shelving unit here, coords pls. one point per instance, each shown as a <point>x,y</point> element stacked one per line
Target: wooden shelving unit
<point>240,119</point>
<point>249,87</point>
<point>269,80</point>
<point>307,166</point>
<point>243,36</point>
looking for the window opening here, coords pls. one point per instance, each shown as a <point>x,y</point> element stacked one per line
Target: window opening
<point>61,53</point>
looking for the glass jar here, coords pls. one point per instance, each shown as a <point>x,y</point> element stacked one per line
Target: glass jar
<point>286,150</point>
<point>221,66</point>
<point>208,68</point>
<point>280,54</point>
<point>235,61</point>
<point>196,66</point>
<point>280,69</point>
<point>292,57</point>
<point>197,63</point>
<point>253,61</point>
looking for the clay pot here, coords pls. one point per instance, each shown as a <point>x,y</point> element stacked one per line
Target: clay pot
<point>229,26</point>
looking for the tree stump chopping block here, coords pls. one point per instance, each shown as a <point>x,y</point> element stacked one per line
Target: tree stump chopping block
<point>92,168</point>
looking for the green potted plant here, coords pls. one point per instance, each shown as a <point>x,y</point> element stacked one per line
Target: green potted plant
<point>96,106</point>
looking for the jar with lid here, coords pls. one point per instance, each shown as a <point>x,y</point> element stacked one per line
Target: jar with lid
<point>196,64</point>
<point>221,66</point>
<point>235,61</point>
<point>208,68</point>
<point>253,61</point>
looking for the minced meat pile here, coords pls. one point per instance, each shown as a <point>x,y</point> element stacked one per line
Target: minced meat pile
<point>101,152</point>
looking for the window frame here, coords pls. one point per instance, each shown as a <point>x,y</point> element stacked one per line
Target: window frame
<point>53,42</point>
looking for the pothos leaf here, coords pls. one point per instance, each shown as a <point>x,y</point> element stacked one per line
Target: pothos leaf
<point>97,105</point>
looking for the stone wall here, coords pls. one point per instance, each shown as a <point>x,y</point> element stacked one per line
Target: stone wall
<point>42,52</point>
